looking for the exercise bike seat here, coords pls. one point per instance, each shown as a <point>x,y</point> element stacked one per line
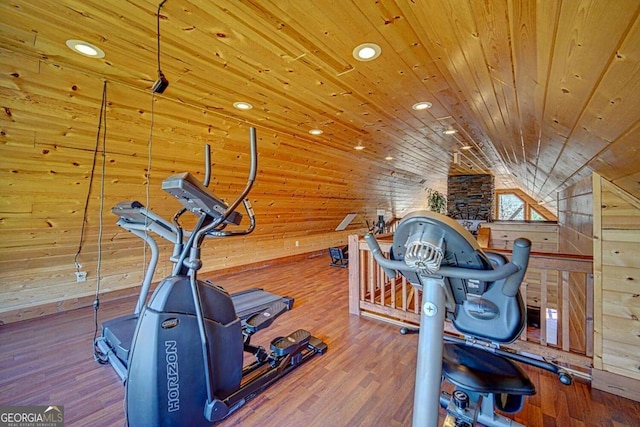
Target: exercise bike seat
<point>476,369</point>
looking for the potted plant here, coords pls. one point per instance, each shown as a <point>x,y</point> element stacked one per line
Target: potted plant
<point>437,201</point>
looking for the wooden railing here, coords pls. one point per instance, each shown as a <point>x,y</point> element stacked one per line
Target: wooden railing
<point>560,286</point>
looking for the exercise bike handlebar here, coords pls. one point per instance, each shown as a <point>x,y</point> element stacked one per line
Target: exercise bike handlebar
<point>513,271</point>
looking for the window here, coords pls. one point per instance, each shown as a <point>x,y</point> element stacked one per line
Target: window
<point>537,216</point>
<point>515,205</point>
<point>510,207</point>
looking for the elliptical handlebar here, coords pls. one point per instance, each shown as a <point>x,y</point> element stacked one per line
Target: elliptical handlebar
<point>513,271</point>
<point>211,228</point>
<point>213,213</point>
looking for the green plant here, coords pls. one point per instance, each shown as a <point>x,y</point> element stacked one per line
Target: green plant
<point>437,201</point>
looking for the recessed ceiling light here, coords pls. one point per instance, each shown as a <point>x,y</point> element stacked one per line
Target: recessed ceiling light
<point>84,48</point>
<point>388,158</point>
<point>242,105</point>
<point>422,105</point>
<point>367,52</point>
<point>315,132</point>
<point>450,131</point>
<point>359,147</point>
<point>466,147</point>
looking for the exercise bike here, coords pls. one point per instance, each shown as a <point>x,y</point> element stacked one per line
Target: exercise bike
<point>479,292</point>
<point>186,361</point>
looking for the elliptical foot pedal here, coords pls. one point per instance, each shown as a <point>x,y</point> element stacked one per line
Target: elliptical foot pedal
<point>317,345</point>
<point>265,318</point>
<point>282,346</point>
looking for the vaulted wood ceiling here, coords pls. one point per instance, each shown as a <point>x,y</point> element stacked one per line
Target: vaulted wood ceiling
<point>545,92</point>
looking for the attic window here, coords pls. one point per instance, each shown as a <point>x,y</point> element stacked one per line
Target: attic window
<point>514,207</point>
<point>345,222</point>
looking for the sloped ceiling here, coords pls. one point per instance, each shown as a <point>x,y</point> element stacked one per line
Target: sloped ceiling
<point>544,92</point>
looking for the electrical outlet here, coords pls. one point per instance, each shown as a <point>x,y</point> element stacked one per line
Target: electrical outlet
<point>81,276</point>
<point>297,243</point>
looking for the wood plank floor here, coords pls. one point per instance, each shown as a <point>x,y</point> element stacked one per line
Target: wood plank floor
<point>365,378</point>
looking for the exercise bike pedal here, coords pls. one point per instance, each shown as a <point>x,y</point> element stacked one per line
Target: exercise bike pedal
<point>283,346</point>
<point>265,318</point>
<point>462,411</point>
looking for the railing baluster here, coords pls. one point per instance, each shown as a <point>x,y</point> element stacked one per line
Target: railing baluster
<point>565,311</point>
<point>404,294</point>
<point>382,280</point>
<point>589,315</point>
<point>523,291</point>
<point>543,308</point>
<point>394,282</point>
<point>371,275</point>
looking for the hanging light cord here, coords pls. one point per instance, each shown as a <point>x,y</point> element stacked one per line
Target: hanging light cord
<point>158,34</point>
<point>102,122</point>
<point>93,169</point>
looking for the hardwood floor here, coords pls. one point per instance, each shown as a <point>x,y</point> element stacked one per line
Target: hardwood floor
<point>365,378</point>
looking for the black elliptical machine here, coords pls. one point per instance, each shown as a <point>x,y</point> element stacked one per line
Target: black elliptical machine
<point>114,343</point>
<point>479,291</point>
<point>186,363</point>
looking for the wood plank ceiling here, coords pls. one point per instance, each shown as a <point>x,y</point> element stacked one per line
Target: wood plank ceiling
<point>544,92</point>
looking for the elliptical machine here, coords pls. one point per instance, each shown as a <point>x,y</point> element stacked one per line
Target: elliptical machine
<point>186,361</point>
<point>114,343</point>
<point>479,292</point>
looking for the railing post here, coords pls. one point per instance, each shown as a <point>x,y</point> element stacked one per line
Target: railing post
<point>354,275</point>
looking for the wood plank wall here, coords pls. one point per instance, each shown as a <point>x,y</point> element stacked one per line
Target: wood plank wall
<point>575,221</point>
<point>543,235</point>
<point>617,301</point>
<point>544,238</point>
<point>48,125</point>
